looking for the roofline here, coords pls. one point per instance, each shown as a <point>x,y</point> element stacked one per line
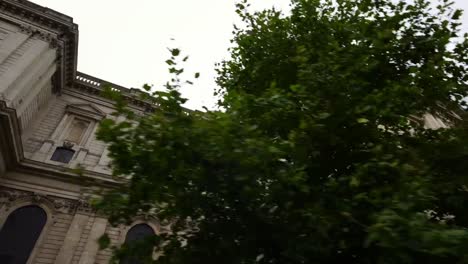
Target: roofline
<point>62,33</point>
<point>93,85</point>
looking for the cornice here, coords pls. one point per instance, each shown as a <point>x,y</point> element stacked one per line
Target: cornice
<point>86,110</point>
<point>56,28</point>
<point>85,178</point>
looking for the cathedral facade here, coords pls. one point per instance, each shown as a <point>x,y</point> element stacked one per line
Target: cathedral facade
<point>49,113</point>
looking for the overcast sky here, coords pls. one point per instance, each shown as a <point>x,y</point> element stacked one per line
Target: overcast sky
<point>125,42</point>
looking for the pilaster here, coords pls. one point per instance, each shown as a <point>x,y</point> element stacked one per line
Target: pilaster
<point>72,238</point>
<point>92,247</point>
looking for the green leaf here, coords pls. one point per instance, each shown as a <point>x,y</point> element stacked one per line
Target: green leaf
<point>175,52</point>
<point>324,115</point>
<point>354,182</point>
<point>362,120</point>
<point>104,241</point>
<point>457,14</point>
<point>147,87</point>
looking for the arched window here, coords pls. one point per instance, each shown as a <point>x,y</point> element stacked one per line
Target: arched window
<point>134,235</point>
<point>138,232</point>
<point>20,233</point>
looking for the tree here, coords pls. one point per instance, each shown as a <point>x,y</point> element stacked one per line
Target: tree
<point>318,154</point>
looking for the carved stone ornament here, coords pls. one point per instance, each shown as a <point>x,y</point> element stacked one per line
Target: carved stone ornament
<point>152,213</point>
<point>68,144</point>
<point>11,197</point>
<point>84,207</point>
<point>65,206</point>
<point>52,39</point>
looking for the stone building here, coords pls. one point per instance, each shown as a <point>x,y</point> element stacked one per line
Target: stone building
<point>49,113</point>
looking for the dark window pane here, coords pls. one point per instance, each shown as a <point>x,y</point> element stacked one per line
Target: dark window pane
<point>135,234</point>
<point>138,232</point>
<point>20,233</point>
<point>62,154</point>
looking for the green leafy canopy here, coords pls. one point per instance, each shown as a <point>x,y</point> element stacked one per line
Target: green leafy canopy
<point>319,154</point>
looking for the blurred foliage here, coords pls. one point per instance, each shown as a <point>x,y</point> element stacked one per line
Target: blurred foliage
<point>319,154</point>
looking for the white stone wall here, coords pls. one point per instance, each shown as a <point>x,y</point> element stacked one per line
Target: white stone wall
<point>54,239</point>
<point>115,234</point>
<point>432,122</point>
<point>27,64</point>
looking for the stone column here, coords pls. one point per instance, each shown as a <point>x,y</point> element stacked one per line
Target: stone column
<point>35,48</point>
<point>3,214</point>
<point>2,165</point>
<point>92,247</point>
<point>82,152</point>
<point>11,43</point>
<point>72,238</point>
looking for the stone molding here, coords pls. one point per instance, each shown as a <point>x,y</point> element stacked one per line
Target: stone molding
<point>86,110</point>
<point>52,39</point>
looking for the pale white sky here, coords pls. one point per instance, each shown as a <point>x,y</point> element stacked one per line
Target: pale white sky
<point>125,42</point>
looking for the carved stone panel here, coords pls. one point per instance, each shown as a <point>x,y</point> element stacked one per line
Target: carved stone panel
<point>10,197</point>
